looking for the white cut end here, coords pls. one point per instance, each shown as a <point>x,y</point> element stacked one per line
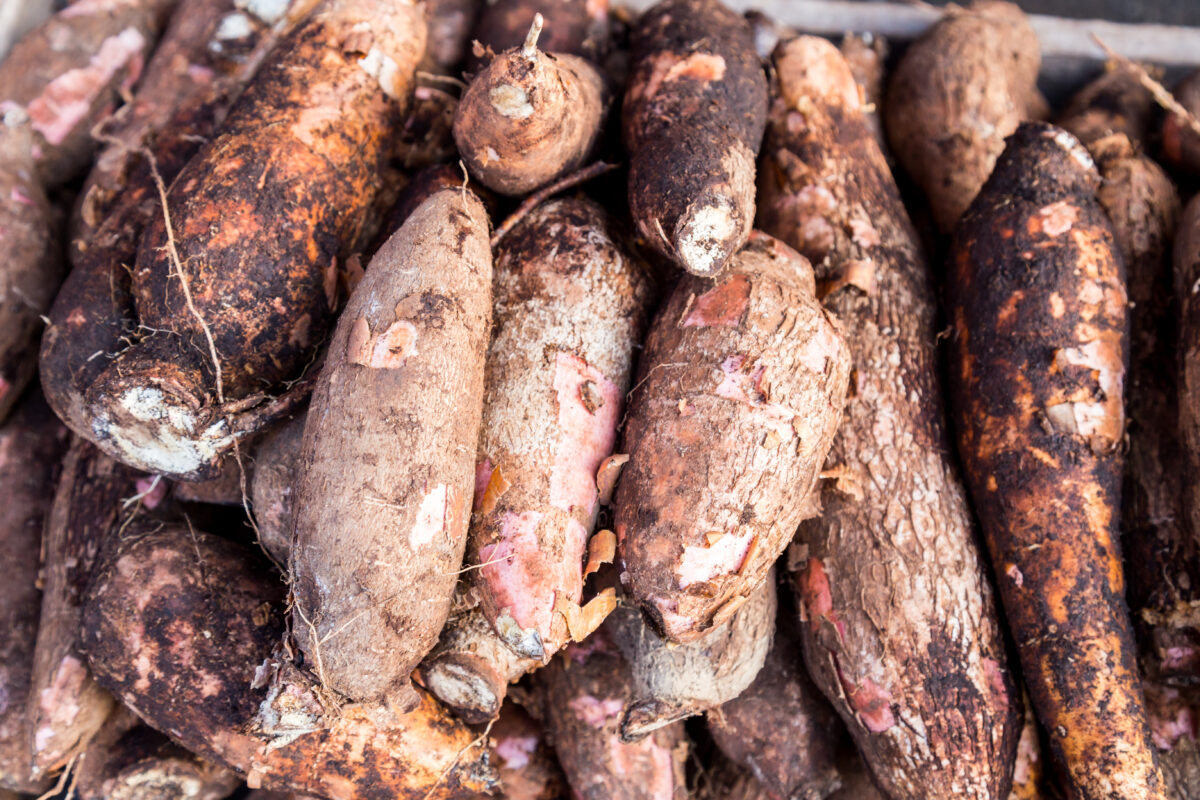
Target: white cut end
<point>702,244</point>
<point>269,11</point>
<point>382,68</point>
<point>510,101</point>
<point>459,687</point>
<point>158,436</point>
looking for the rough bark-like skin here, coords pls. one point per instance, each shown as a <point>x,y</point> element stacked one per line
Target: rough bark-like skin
<point>957,92</point>
<point>524,758</point>
<point>674,681</point>
<point>570,308</point>
<point>388,454</point>
<point>1115,102</point>
<point>66,707</point>
<point>781,728</point>
<point>740,391</point>
<point>1039,350</point>
<point>314,125</point>
<point>31,443</point>
<point>578,27</point>
<point>92,318</point>
<point>275,487</point>
<point>70,72</point>
<point>32,267</point>
<point>894,599</point>
<point>143,764</point>
<point>1162,554</point>
<point>1181,144</point>
<point>450,23</point>
<point>528,118</point>
<point>693,117</point>
<point>180,626</point>
<point>583,691</point>
<point>866,55</point>
<point>427,136</point>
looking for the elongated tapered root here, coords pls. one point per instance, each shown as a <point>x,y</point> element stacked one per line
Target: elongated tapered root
<point>181,626</point>
<point>674,681</point>
<point>32,267</point>
<point>234,297</point>
<point>693,118</point>
<point>389,454</point>
<point>957,92</point>
<point>529,117</point>
<point>1180,141</point>
<point>1039,347</point>
<point>749,374</point>
<point>892,491</point>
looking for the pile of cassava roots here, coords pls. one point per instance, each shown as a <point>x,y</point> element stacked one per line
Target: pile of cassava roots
<point>534,399</point>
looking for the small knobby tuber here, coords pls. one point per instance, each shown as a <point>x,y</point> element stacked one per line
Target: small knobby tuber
<point>692,120</point>
<point>892,561</point>
<point>180,625</point>
<point>571,302</point>
<point>389,455</point>
<point>529,117</point>
<point>233,298</point>
<point>1039,348</point>
<point>957,92</point>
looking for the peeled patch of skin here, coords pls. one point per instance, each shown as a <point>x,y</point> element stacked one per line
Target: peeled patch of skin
<point>32,268</point>
<point>571,304</point>
<point>957,92</point>
<point>70,71</point>
<point>727,431</point>
<point>180,625</point>
<point>31,443</point>
<point>388,455</point>
<point>692,120</point>
<point>583,691</point>
<point>1047,485</point>
<point>895,523</point>
<point>317,120</point>
<point>675,681</point>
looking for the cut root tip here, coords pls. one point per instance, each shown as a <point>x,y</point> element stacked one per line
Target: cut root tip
<point>535,30</point>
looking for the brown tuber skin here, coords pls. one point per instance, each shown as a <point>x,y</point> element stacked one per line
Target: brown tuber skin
<point>571,305</point>
<point>892,589</point>
<point>32,267</point>
<point>674,681</point>
<point>259,268</point>
<point>578,27</point>
<point>529,117</point>
<point>180,626</point>
<point>275,486</point>
<point>957,92</point>
<point>389,455</point>
<point>781,728</point>
<point>1180,143</point>
<point>866,56</point>
<point>746,377</point>
<point>66,707</point>
<point>1039,349</point>
<point>583,691</point>
<point>692,120</point>
<point>450,23</point>
<point>1162,557</point>
<point>70,71</point>
<point>31,443</point>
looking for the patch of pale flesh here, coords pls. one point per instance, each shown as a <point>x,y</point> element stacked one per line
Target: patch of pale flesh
<point>269,11</point>
<point>702,245</point>
<point>510,101</point>
<point>383,68</point>
<point>233,26</point>
<point>158,436</point>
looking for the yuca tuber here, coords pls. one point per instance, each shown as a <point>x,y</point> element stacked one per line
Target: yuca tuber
<point>1039,345</point>
<point>692,120</point>
<point>674,681</point>
<point>583,691</point>
<point>1180,139</point>
<point>781,728</point>
<point>388,455</point>
<point>866,56</point>
<point>570,306</point>
<point>957,92</point>
<point>892,590</point>
<point>524,758</point>
<point>66,707</point>
<point>450,23</point>
<point>425,184</point>
<point>274,487</point>
<point>1162,554</point>
<point>180,626</point>
<point>32,267</point>
<point>529,117</point>
<point>70,71</point>
<point>578,27</point>
<point>740,391</point>
<point>224,489</point>
<point>233,299</point>
<point>31,442</point>
<point>129,761</point>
